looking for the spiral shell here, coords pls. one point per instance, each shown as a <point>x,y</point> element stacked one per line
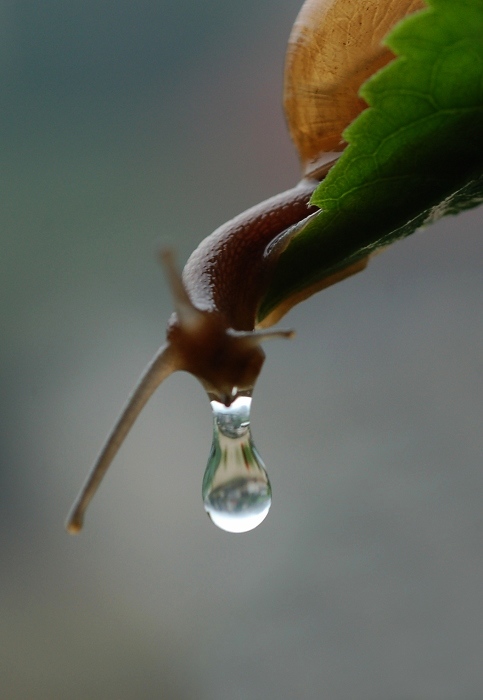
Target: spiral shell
<point>334,46</point>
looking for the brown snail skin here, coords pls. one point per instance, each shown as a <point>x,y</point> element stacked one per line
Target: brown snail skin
<point>335,45</point>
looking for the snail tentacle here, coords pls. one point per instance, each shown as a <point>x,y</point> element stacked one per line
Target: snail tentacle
<point>164,363</point>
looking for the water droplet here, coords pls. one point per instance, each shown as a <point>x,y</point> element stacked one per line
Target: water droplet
<point>236,490</point>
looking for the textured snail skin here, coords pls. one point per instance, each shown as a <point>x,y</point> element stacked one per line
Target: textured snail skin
<point>228,271</point>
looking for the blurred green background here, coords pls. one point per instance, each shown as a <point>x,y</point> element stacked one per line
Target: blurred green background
<point>130,124</point>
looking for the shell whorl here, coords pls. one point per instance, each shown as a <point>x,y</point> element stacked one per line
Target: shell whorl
<point>334,46</point>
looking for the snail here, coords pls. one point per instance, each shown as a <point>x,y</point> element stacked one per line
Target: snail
<point>215,332</point>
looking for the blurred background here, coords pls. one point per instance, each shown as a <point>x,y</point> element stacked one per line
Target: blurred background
<point>126,125</point>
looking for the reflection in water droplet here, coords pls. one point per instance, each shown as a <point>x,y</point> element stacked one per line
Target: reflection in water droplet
<point>236,490</point>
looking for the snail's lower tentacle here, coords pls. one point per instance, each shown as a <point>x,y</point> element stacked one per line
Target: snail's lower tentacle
<point>164,363</point>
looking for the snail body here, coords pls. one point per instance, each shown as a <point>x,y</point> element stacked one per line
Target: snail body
<point>228,271</point>
<point>214,333</point>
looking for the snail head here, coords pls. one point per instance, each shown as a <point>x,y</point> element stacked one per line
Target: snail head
<point>226,361</point>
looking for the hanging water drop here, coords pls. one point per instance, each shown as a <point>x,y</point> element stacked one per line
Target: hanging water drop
<point>236,491</point>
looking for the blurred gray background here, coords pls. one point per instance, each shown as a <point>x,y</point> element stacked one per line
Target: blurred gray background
<point>129,124</point>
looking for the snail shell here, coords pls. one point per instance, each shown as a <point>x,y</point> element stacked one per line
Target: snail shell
<point>334,46</point>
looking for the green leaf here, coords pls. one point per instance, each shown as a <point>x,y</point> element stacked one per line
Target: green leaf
<point>414,155</point>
